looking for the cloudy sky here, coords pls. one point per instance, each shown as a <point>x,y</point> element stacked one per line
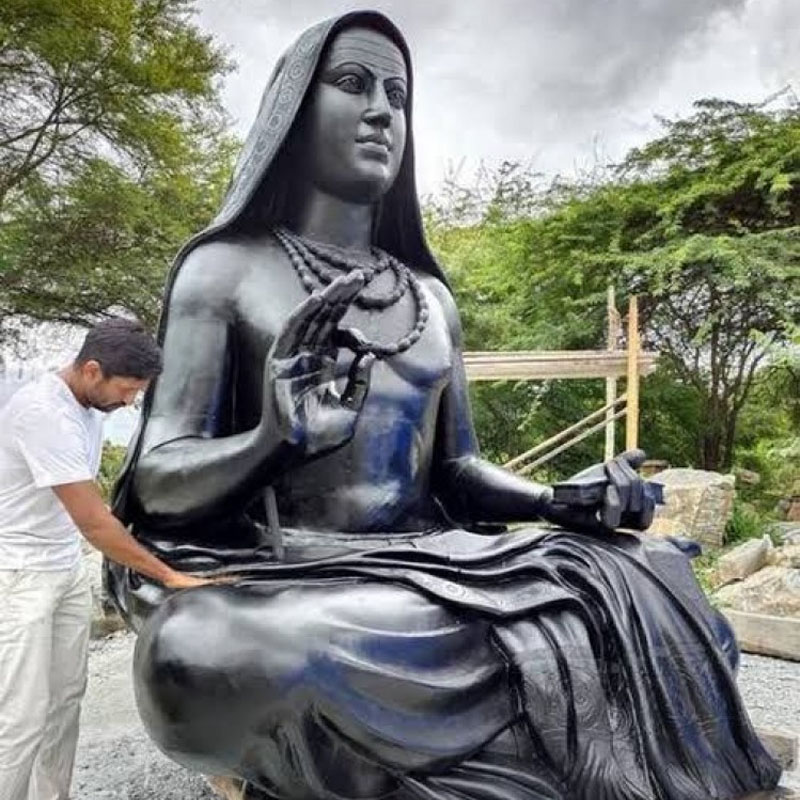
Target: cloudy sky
<point>557,84</point>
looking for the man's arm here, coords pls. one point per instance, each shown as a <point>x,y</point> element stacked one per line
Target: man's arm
<point>88,511</point>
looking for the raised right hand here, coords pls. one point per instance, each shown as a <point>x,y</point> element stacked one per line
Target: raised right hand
<point>300,396</point>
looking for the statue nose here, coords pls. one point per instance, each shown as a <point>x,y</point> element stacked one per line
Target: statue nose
<point>378,116</point>
<point>379,111</point>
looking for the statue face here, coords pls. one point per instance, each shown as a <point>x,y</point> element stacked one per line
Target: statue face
<point>355,125</point>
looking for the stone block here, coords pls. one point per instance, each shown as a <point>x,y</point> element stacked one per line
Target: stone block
<point>743,560</point>
<point>227,788</point>
<point>698,501</point>
<point>772,590</point>
<point>786,532</point>
<point>786,556</point>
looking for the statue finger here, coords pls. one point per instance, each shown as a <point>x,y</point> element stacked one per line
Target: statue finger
<point>611,513</point>
<point>350,339</point>
<point>647,513</point>
<point>297,366</point>
<point>620,480</point>
<point>289,339</point>
<point>336,297</point>
<point>636,496</point>
<point>344,289</point>
<point>634,457</point>
<point>358,381</point>
<point>327,330</point>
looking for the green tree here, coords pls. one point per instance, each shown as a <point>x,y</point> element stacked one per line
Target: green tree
<point>123,78</point>
<point>703,223</point>
<point>112,151</point>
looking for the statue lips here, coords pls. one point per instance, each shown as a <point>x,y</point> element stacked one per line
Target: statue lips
<point>375,145</point>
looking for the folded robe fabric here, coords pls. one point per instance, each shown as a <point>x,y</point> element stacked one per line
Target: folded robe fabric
<point>450,665</point>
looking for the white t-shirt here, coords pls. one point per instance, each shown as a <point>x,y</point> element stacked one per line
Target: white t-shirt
<point>47,438</point>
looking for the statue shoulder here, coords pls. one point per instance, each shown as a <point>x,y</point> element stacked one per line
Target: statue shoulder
<point>210,273</point>
<point>442,294</point>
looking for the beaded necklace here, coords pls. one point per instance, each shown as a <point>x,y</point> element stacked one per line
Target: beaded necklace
<point>317,265</point>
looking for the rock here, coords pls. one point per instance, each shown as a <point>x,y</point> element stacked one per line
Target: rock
<point>747,477</point>
<point>698,501</point>
<point>772,590</point>
<point>652,466</point>
<point>105,619</point>
<point>227,788</point>
<point>743,560</point>
<point>786,532</point>
<point>663,526</point>
<point>786,556</point>
<point>793,513</point>
<point>782,746</point>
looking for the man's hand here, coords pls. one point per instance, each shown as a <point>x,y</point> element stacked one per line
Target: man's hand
<point>181,580</point>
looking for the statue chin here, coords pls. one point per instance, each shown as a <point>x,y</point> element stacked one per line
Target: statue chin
<point>311,435</point>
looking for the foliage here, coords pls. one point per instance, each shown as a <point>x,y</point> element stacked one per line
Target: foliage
<point>83,77</point>
<point>110,467</point>
<point>703,223</point>
<point>745,523</point>
<point>102,241</point>
<point>112,152</point>
<point>704,568</point>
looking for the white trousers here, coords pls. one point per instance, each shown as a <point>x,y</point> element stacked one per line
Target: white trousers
<point>44,639</point>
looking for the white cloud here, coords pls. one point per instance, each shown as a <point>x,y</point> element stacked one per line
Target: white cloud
<point>542,81</point>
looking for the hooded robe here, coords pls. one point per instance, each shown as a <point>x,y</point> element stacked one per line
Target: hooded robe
<point>449,665</point>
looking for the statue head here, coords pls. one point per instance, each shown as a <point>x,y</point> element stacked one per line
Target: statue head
<point>271,169</point>
<point>350,132</point>
<point>352,128</point>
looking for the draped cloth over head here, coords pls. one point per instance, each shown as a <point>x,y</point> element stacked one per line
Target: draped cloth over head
<point>399,227</point>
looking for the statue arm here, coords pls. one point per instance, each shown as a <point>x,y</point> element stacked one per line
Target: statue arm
<point>471,488</point>
<point>189,467</point>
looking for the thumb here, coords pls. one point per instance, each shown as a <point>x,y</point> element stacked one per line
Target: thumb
<point>635,457</point>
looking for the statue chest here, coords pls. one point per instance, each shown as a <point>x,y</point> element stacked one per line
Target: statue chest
<point>420,372</point>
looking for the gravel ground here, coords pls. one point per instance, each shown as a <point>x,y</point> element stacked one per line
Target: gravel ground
<point>771,691</point>
<point>117,761</point>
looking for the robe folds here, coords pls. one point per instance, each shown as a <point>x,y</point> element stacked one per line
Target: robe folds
<point>533,664</point>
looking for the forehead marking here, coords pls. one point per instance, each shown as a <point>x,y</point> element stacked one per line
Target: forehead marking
<point>363,46</point>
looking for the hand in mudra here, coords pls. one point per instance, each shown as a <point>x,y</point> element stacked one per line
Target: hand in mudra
<point>613,493</point>
<point>300,392</point>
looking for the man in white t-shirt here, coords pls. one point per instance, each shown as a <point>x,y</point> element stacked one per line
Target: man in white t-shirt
<point>50,444</point>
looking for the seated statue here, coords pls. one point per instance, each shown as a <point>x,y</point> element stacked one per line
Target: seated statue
<point>387,636</point>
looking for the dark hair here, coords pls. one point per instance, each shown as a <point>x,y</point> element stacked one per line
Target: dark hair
<point>122,347</point>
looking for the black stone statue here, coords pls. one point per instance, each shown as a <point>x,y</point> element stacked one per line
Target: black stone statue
<point>311,433</point>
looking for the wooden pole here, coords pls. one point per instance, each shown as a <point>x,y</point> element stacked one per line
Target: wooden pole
<point>547,443</point>
<point>528,468</point>
<point>632,390</point>
<point>611,382</point>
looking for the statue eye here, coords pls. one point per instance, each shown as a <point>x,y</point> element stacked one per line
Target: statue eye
<point>352,83</point>
<point>397,97</point>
